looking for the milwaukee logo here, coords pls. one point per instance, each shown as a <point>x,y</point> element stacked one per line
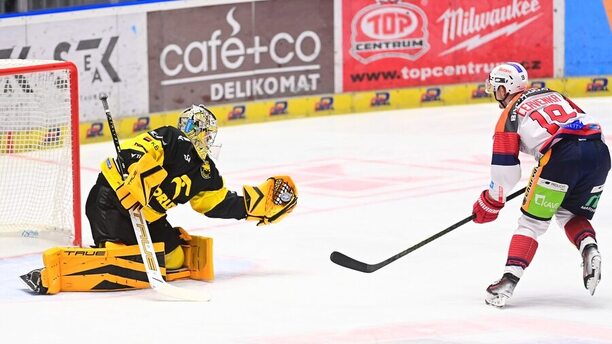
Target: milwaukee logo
<point>459,23</point>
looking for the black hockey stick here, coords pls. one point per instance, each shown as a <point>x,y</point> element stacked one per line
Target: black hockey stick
<point>348,262</point>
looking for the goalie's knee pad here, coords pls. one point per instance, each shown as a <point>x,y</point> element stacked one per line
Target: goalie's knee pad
<point>117,267</point>
<point>175,259</point>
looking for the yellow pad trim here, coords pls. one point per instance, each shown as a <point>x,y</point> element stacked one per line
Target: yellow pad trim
<point>51,276</point>
<point>173,275</point>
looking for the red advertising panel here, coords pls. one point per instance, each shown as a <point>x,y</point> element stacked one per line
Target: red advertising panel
<point>403,43</point>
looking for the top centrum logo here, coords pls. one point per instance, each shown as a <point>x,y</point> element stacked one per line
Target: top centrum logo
<point>389,29</point>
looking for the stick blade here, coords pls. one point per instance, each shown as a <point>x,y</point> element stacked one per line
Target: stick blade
<point>350,263</point>
<point>180,294</point>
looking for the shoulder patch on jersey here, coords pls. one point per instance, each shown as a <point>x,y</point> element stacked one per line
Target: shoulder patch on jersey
<point>205,170</point>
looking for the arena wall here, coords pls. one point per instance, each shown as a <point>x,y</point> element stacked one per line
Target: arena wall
<point>254,61</point>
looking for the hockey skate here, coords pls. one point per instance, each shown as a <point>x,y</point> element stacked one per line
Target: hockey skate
<point>499,292</point>
<point>33,280</point>
<point>591,267</point>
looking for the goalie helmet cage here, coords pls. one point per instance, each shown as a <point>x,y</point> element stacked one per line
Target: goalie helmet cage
<point>39,150</point>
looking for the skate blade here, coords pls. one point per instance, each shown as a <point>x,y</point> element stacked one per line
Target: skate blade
<point>498,301</point>
<point>593,279</point>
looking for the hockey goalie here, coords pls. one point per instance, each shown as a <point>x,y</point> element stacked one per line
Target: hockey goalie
<point>165,167</point>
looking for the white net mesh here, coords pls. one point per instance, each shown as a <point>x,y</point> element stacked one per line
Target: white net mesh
<point>36,159</point>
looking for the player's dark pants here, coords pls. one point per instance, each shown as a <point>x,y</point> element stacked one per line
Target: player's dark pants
<point>580,166</point>
<point>109,221</point>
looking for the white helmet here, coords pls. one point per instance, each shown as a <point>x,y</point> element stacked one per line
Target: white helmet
<point>200,126</point>
<point>511,75</point>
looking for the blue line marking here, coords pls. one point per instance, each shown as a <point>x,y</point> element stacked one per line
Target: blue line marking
<point>79,8</point>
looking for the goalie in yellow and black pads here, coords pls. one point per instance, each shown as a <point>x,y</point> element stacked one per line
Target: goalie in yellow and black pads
<point>166,167</point>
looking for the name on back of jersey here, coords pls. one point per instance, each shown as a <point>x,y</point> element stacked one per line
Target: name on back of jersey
<point>537,102</point>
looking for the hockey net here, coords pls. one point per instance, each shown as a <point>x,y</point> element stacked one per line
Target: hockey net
<point>39,150</point>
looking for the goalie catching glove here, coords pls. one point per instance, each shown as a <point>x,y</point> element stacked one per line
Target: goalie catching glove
<point>271,200</point>
<point>144,176</point>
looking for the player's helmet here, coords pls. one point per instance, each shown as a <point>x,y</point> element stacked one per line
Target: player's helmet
<point>511,75</point>
<point>200,125</point>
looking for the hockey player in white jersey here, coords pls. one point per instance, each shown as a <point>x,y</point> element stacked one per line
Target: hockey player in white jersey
<point>573,163</point>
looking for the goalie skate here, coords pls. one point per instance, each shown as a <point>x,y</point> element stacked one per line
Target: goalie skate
<point>33,280</point>
<point>591,267</point>
<point>499,292</point>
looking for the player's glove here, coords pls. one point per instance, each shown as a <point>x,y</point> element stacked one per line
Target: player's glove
<point>486,209</point>
<point>271,201</point>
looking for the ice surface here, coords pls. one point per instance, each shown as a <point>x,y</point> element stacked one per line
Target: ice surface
<point>371,185</point>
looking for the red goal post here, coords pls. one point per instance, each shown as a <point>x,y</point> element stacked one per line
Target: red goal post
<point>39,150</point>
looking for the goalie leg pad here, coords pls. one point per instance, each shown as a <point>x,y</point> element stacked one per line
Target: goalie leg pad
<point>50,275</point>
<point>95,269</point>
<point>199,258</point>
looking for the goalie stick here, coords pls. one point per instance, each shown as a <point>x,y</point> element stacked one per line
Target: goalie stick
<point>156,281</point>
<point>351,263</point>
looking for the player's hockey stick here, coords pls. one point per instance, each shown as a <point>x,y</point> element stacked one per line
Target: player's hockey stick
<point>348,262</point>
<point>143,237</point>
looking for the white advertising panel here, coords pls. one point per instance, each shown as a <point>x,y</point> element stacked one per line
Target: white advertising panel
<point>110,53</point>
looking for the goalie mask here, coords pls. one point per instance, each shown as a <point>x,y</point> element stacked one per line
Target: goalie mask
<point>200,126</point>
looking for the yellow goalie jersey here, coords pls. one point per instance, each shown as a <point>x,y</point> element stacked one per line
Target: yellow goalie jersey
<point>188,179</point>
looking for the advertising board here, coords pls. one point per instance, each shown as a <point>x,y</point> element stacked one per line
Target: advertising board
<point>109,52</point>
<point>240,52</point>
<point>406,43</point>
